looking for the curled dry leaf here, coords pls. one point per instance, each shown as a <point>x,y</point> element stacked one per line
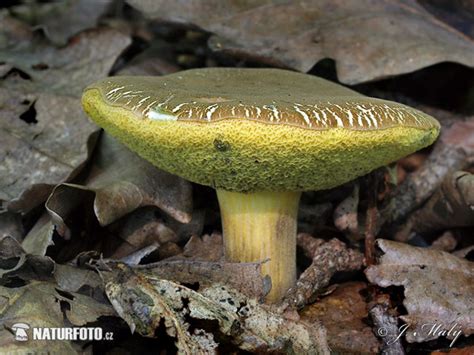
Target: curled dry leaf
<point>144,301</point>
<point>43,129</point>
<point>122,182</point>
<point>40,304</point>
<point>367,39</point>
<point>438,289</point>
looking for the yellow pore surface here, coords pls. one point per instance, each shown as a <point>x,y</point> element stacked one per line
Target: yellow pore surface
<point>245,156</point>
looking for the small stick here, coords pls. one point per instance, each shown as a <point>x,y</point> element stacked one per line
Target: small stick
<point>328,258</point>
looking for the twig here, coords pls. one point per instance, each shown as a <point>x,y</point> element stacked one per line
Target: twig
<point>452,152</point>
<point>328,258</point>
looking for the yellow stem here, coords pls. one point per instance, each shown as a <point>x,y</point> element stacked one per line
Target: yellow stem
<point>260,226</point>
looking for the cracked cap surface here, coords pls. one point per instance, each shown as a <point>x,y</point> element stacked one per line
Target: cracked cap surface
<point>256,129</point>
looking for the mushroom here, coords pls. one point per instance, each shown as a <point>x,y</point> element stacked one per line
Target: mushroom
<point>259,137</point>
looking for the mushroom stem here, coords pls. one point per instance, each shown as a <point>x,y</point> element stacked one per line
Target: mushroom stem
<point>259,226</point>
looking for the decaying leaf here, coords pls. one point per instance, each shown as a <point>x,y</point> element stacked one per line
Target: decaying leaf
<point>438,289</point>
<point>72,279</point>
<point>43,131</point>
<point>14,261</point>
<point>60,20</point>
<point>139,229</point>
<point>451,206</point>
<point>152,61</point>
<point>342,313</point>
<point>138,255</point>
<point>207,248</point>
<point>243,277</point>
<point>40,237</point>
<point>62,71</point>
<point>122,182</point>
<point>39,304</point>
<point>368,39</point>
<point>144,301</point>
<point>11,225</point>
<point>459,14</point>
<point>36,155</point>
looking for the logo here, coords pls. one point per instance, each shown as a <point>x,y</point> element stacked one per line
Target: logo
<point>20,330</point>
<point>24,332</point>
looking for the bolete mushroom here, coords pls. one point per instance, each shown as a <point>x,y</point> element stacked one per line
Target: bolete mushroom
<point>259,137</point>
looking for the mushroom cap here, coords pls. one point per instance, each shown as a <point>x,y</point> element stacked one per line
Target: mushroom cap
<point>256,129</point>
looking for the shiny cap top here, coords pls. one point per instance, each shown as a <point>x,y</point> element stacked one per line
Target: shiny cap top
<point>267,95</point>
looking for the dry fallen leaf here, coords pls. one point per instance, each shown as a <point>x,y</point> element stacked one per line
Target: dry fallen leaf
<point>60,20</point>
<point>72,279</point>
<point>11,225</point>
<point>451,205</point>
<point>43,131</point>
<point>36,156</point>
<point>15,262</point>
<point>62,71</point>
<point>122,182</point>
<point>243,277</point>
<point>40,236</point>
<point>207,248</point>
<point>438,288</point>
<point>143,302</point>
<point>40,304</point>
<point>368,39</point>
<point>138,230</point>
<point>343,313</point>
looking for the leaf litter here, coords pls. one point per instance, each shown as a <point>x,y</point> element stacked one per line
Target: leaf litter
<point>44,130</point>
<point>368,39</point>
<point>438,289</point>
<point>176,275</point>
<point>144,301</point>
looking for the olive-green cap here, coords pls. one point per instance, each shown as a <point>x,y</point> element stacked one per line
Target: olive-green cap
<point>256,129</point>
